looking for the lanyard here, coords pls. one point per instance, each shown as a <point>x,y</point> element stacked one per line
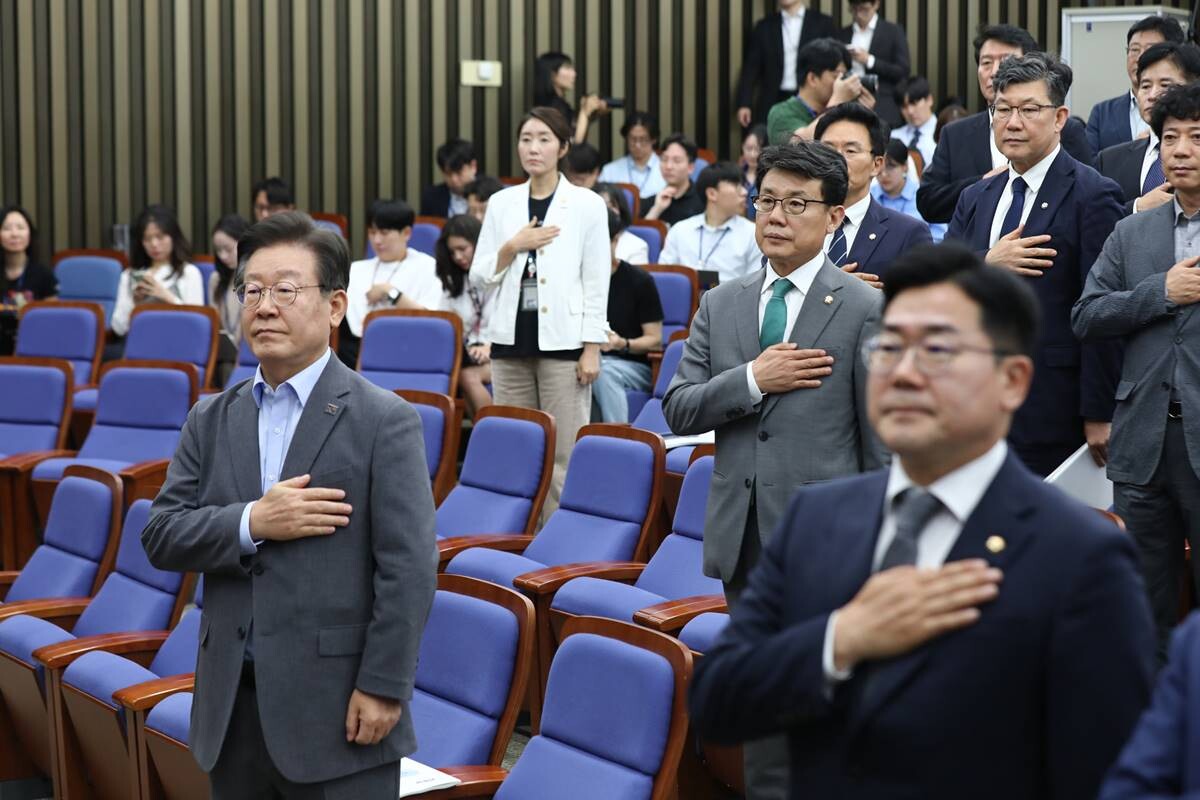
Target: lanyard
<point>390,275</point>
<point>704,258</point>
<point>629,171</point>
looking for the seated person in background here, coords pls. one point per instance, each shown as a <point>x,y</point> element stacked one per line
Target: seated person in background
<point>222,292</point>
<point>23,280</point>
<point>821,65</point>
<point>630,247</point>
<point>916,105</point>
<point>582,165</point>
<point>719,239</point>
<point>456,159</point>
<point>895,190</point>
<point>639,166</point>
<point>453,253</point>
<point>398,276</point>
<point>635,318</point>
<point>478,192</point>
<point>271,196</point>
<point>678,199</point>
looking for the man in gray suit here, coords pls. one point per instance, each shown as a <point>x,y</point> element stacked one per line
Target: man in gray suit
<point>303,497</point>
<point>774,366</point>
<point>1144,289</point>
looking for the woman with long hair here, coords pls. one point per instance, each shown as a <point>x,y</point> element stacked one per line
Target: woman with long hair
<point>453,252</point>
<point>222,294</point>
<point>554,76</point>
<point>24,278</point>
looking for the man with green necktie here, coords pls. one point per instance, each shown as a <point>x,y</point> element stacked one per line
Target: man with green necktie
<point>774,366</point>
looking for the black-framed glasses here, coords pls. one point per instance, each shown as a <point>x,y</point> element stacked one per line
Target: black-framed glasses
<point>282,294</point>
<point>792,206</point>
<point>1028,111</point>
<point>884,354</point>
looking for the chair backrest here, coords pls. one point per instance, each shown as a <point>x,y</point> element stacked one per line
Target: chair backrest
<point>614,718</point>
<point>679,293</point>
<point>441,425</point>
<point>79,541</point>
<point>677,568</point>
<point>73,331</point>
<point>404,349</point>
<point>505,474</point>
<point>704,157</point>
<point>162,331</point>
<point>609,499</point>
<point>632,199</point>
<point>651,418</point>
<point>653,233</point>
<point>90,275</point>
<point>35,404</point>
<point>178,653</point>
<point>332,222</point>
<point>140,410</point>
<point>247,364</point>
<point>473,666</point>
<point>207,266</point>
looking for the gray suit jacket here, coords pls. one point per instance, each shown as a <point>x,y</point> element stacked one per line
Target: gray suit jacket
<point>330,613</point>
<point>790,439</point>
<point>1125,297</point>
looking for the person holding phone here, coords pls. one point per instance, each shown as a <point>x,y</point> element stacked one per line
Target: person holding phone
<point>553,76</point>
<point>453,253</point>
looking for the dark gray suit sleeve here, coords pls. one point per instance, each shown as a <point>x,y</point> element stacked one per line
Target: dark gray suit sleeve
<point>405,553</point>
<point>183,536</point>
<point>1109,306</point>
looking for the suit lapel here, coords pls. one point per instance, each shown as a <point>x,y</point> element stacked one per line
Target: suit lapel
<point>243,443</point>
<point>1057,184</point>
<point>981,147</point>
<point>870,235</point>
<point>324,408</point>
<point>1131,170</point>
<point>775,42</point>
<point>815,314</point>
<point>746,305</point>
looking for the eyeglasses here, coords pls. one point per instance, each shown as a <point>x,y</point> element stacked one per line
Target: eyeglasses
<point>1028,112</point>
<point>792,206</point>
<point>885,354</point>
<point>282,294</point>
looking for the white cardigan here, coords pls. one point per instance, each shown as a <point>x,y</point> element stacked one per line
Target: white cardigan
<point>573,270</point>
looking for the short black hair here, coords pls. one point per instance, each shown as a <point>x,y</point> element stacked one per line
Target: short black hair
<point>1169,27</point>
<point>279,192</point>
<point>877,129</point>
<point>616,226</point>
<point>483,187</point>
<point>455,154</point>
<point>914,89</point>
<point>1032,67</point>
<point>1185,56</point>
<point>820,55</point>
<point>1179,102</point>
<point>390,215</point>
<point>610,191</point>
<point>582,158</point>
<point>1008,34</point>
<point>810,161</point>
<point>643,118</point>
<point>687,144</point>
<point>1008,309</point>
<point>715,174</point>
<point>297,228</point>
<point>896,152</point>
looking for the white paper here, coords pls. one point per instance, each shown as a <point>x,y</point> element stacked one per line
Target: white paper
<point>416,778</point>
<point>671,442</point>
<point>1079,477</point>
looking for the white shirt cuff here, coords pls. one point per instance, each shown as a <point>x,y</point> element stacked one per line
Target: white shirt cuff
<point>870,61</point>
<point>249,547</point>
<point>833,675</point>
<point>756,394</point>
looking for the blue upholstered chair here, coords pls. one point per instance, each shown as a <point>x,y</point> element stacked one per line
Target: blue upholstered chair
<point>404,349</point>
<point>653,233</point>
<point>425,233</point>
<point>73,331</point>
<point>701,632</point>
<point>247,365</point>
<point>649,416</point>
<point>331,221</point>
<point>207,266</point>
<point>441,424</point>
<point>91,276</point>
<point>679,293</point>
<point>35,404</point>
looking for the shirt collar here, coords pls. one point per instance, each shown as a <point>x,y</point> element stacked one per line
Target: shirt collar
<point>1181,215</point>
<point>651,164</point>
<point>798,14</point>
<point>1037,173</point>
<point>959,491</point>
<point>802,277</point>
<point>1153,142</point>
<point>930,125</point>
<point>302,383</point>
<point>870,25</point>
<point>856,212</point>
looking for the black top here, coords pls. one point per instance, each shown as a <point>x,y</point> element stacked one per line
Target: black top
<point>36,283</point>
<point>632,301</point>
<point>563,107</point>
<point>525,333</point>
<point>688,204</point>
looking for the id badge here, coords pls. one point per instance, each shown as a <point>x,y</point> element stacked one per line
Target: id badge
<point>529,300</point>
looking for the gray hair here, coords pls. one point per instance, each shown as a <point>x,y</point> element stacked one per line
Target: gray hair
<point>1033,67</point>
<point>297,228</point>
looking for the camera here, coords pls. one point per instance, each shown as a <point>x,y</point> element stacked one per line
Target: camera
<point>614,102</point>
<point>870,83</point>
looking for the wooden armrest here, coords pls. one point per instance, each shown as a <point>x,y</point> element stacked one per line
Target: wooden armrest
<point>59,655</point>
<point>145,469</point>
<point>49,607</point>
<point>551,579</point>
<point>674,614</point>
<point>24,462</point>
<point>451,546</point>
<point>142,696</point>
<point>477,781</point>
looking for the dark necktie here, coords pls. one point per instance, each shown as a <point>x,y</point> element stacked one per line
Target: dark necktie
<point>914,508</point>
<point>1012,219</point>
<point>915,140</point>
<point>1154,175</point>
<point>837,246</point>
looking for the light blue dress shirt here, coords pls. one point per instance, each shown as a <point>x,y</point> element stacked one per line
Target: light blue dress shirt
<point>906,203</point>
<point>279,412</point>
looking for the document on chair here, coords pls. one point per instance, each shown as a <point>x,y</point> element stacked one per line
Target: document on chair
<point>1079,477</point>
<point>671,442</point>
<point>416,778</point>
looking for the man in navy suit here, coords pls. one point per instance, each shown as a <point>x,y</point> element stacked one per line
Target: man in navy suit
<point>966,152</point>
<point>950,627</point>
<point>1046,218</point>
<point>771,63</point>
<point>1119,119</point>
<point>458,164</point>
<point>870,236</point>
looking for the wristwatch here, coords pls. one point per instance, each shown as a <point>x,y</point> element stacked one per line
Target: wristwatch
<point>394,295</point>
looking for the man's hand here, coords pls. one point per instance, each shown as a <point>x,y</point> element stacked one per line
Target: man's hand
<point>378,293</point>
<point>865,277</point>
<point>290,511</point>
<point>1097,434</point>
<point>845,90</point>
<point>662,200</point>
<point>743,116</point>
<point>480,353</point>
<point>1023,256</point>
<point>900,609</point>
<point>615,342</point>
<point>1183,282</point>
<point>782,367</point>
<point>1158,196</point>
<point>859,54</point>
<point>370,718</point>
<point>994,171</point>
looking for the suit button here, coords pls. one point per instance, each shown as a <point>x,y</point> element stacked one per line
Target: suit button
<point>1178,340</point>
<point>241,632</point>
<point>763,436</point>
<point>1166,385</point>
<point>748,483</point>
<point>542,281</point>
<point>545,310</point>
<point>257,569</point>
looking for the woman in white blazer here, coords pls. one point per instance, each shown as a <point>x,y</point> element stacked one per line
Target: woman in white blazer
<point>544,246</point>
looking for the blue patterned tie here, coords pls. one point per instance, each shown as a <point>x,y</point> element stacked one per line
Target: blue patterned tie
<point>837,246</point>
<point>1154,175</point>
<point>1013,218</point>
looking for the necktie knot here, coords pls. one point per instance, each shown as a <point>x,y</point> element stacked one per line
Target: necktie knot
<point>913,507</point>
<point>782,287</point>
<point>1019,186</point>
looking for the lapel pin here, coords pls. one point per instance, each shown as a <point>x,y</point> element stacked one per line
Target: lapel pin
<point>995,544</point>
<point>871,237</point>
<point>331,408</point>
<point>1045,205</point>
<point>828,299</point>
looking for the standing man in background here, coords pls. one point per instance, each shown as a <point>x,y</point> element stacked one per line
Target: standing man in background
<point>880,48</point>
<point>771,66</point>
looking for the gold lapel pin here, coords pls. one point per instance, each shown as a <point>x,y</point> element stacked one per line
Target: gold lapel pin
<point>871,237</point>
<point>995,544</point>
<point>331,408</point>
<point>828,299</point>
<point>1045,205</point>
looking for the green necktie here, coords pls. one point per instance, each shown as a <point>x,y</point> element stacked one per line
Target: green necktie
<point>775,317</point>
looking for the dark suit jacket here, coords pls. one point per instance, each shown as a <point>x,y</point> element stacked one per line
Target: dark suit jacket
<point>763,68</point>
<point>1162,758</point>
<point>962,157</point>
<point>885,236</point>
<point>1108,124</point>
<point>435,201</point>
<point>1033,701</point>
<point>1123,163</point>
<point>1078,207</point>
<point>890,48</point>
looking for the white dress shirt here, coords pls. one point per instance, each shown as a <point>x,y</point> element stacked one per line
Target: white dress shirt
<point>1136,123</point>
<point>730,248</point>
<point>802,278</point>
<point>861,38</point>
<point>925,143</point>
<point>458,205</point>
<point>1034,177</point>
<point>998,158</point>
<point>792,25</point>
<point>959,491</point>
<point>854,218</point>
<point>648,179</point>
<point>415,276</point>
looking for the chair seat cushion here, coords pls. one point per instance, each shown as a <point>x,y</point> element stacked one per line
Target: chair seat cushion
<point>595,597</point>
<point>548,768</point>
<point>449,734</point>
<point>171,716</point>
<point>85,399</point>
<point>496,566</point>
<point>100,674</point>
<point>52,468</point>
<point>22,634</point>
<point>701,633</point>
<point>677,459</point>
<point>469,510</point>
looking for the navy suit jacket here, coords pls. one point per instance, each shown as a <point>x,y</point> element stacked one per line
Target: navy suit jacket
<point>1078,207</point>
<point>963,156</point>
<point>1032,701</point>
<point>1123,163</point>
<point>763,67</point>
<point>889,45</point>
<point>885,235</point>
<point>435,201</point>
<point>1162,758</point>
<point>1108,124</point>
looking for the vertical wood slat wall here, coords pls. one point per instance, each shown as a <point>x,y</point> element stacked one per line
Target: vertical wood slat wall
<point>109,105</point>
